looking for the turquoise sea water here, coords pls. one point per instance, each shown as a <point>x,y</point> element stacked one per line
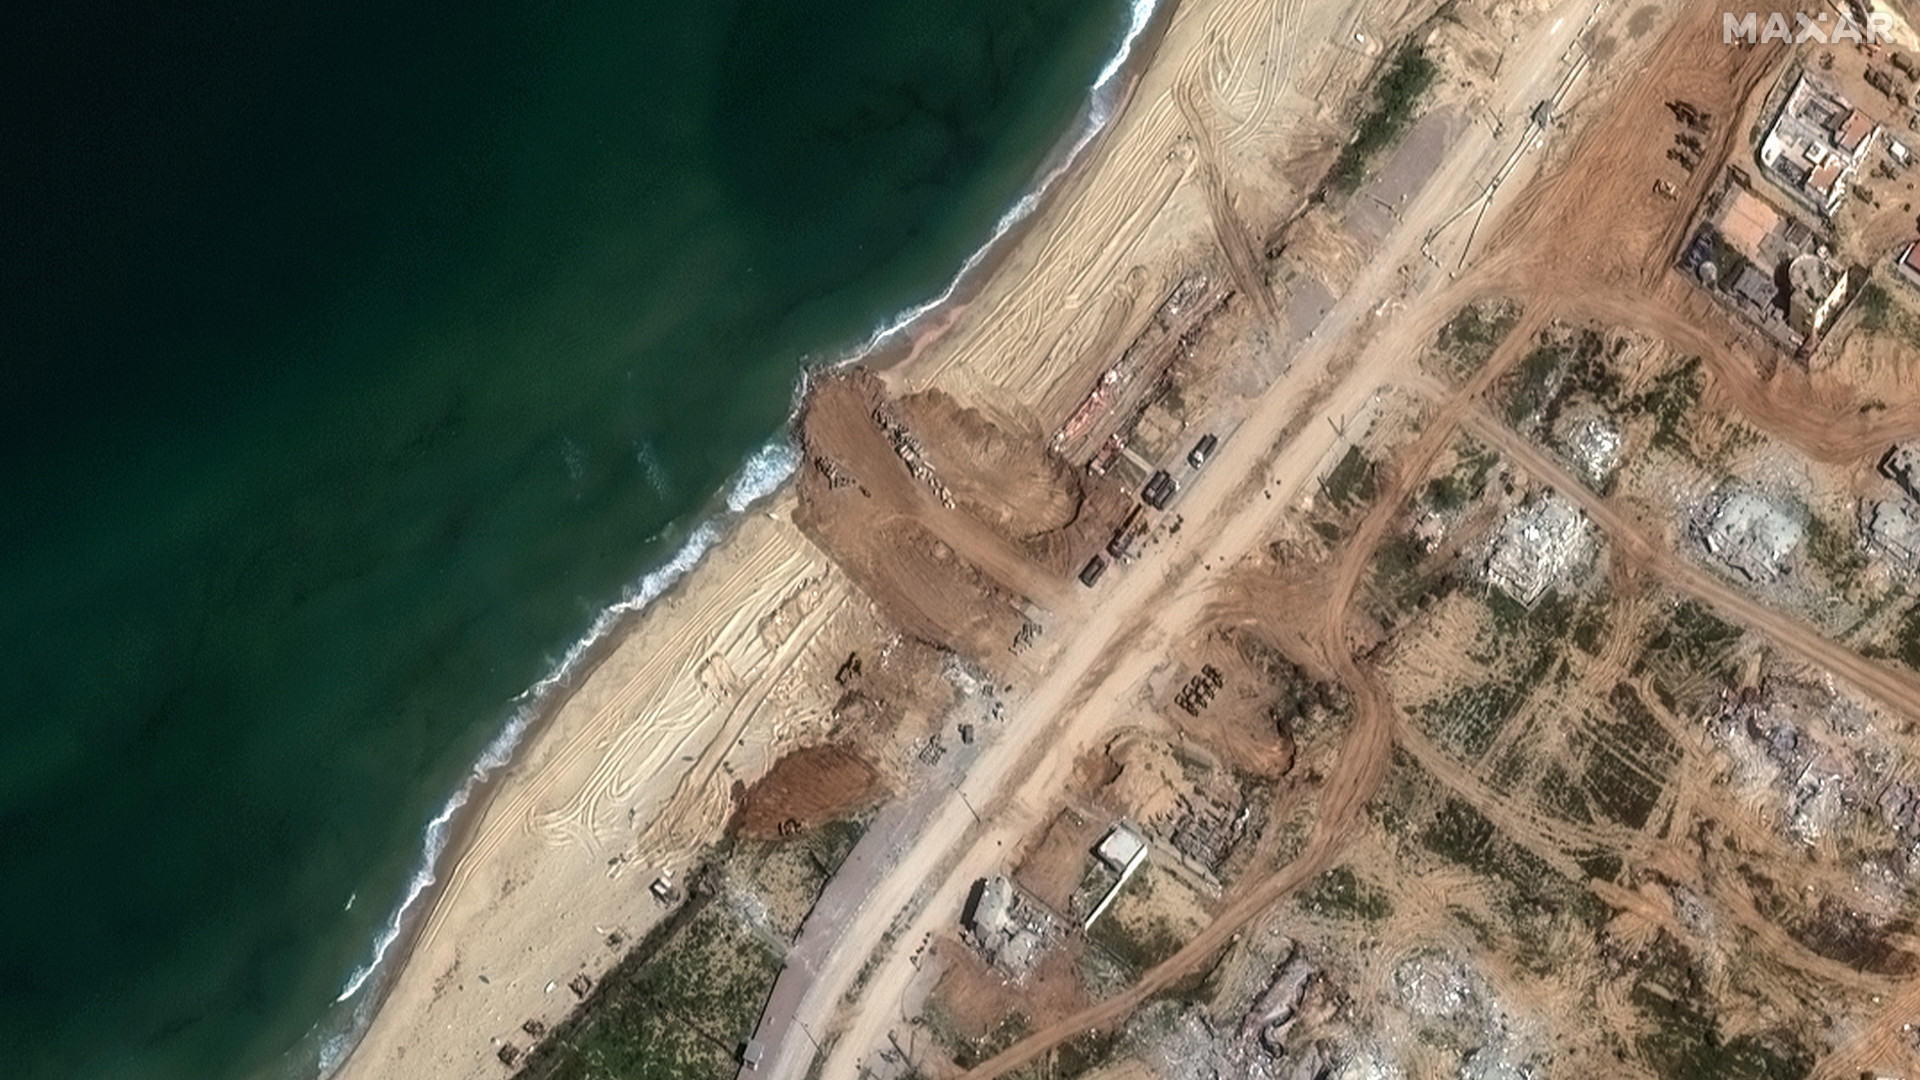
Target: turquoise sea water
<point>356,357</point>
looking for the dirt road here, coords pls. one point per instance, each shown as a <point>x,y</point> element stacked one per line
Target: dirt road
<point>1895,689</point>
<point>1567,199</point>
<point>1354,351</point>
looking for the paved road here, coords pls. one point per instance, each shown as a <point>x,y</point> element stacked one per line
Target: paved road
<point>846,898</point>
<point>1015,781</point>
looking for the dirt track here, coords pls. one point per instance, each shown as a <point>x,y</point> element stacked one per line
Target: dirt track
<point>1898,690</point>
<point>1578,207</point>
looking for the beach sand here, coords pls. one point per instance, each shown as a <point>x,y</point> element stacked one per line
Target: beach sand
<point>633,772</point>
<point>630,777</point>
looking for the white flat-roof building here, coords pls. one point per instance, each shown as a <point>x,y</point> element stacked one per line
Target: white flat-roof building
<point>1121,846</point>
<point>1817,143</point>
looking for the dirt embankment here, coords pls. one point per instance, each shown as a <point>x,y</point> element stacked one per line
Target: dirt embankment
<point>868,497</point>
<point>806,788</point>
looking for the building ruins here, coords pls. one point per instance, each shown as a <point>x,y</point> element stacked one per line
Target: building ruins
<point>1012,929</point>
<point>1749,533</point>
<point>1544,544</point>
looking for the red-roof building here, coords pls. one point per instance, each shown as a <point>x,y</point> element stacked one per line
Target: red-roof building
<point>1853,133</point>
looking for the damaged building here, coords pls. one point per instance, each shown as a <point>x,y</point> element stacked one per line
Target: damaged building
<point>1750,533</point>
<point>1768,266</point>
<point>1012,929</point>
<point>1891,528</point>
<point>1544,544</point>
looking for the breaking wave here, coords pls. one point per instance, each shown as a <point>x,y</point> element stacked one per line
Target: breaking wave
<point>1101,98</point>
<point>760,476</point>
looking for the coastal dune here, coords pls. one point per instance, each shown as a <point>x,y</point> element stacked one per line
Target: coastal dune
<point>1221,99</point>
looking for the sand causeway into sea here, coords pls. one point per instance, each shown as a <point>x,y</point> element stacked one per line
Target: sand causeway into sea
<point>633,772</point>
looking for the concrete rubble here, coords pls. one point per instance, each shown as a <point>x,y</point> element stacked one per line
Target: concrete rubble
<point>1544,544</point>
<point>1750,532</point>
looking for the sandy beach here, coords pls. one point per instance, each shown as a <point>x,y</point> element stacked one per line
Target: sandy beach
<point>943,504</point>
<point>631,777</point>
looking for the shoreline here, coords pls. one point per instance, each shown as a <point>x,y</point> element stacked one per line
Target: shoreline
<point>894,345</point>
<point>907,336</point>
<point>323,1053</point>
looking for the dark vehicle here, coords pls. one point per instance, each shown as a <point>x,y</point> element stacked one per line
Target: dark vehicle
<point>1159,490</point>
<point>1091,572</point>
<point>1202,450</point>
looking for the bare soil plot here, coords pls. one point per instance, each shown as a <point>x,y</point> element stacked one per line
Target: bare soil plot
<point>861,501</point>
<point>806,788</point>
<point>1057,860</point>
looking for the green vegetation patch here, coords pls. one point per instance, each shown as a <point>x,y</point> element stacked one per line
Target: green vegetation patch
<point>1835,930</point>
<point>1469,719</point>
<point>1833,550</point>
<point>1621,788</point>
<point>1880,313</point>
<point>1563,798</point>
<point>1402,578</point>
<point>684,999</point>
<point>1536,389</point>
<point>1083,1054</point>
<point>1673,400</point>
<point>1907,638</point>
<point>677,1008</point>
<point>1681,1036</point>
<point>1462,834</point>
<point>1590,631</point>
<point>716,973</point>
<point>1395,98</point>
<point>1630,760</point>
<point>1342,893</point>
<point>1467,481</point>
<point>968,1052</point>
<point>1469,339</point>
<point>1537,902</point>
<point>1351,484</point>
<point>1694,642</point>
<point>1139,947</point>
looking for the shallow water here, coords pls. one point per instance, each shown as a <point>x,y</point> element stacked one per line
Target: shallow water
<point>357,358</point>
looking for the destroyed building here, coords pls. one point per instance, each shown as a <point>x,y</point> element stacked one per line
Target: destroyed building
<point>1901,464</point>
<point>1767,265</point>
<point>1592,441</point>
<point>1749,532</point>
<point>1891,528</point>
<point>1013,930</point>
<point>1544,544</point>
<point>1816,288</point>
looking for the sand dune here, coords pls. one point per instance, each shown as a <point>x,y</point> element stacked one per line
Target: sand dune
<point>1137,218</point>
